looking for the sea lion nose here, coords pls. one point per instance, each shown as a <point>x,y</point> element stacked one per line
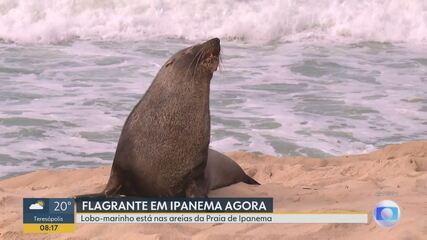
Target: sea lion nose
<point>215,45</point>
<point>215,41</point>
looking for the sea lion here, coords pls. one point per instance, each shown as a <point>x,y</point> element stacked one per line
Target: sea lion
<point>163,148</point>
<point>222,171</point>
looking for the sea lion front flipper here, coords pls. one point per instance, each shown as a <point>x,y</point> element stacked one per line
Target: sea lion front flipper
<point>114,186</point>
<point>111,190</point>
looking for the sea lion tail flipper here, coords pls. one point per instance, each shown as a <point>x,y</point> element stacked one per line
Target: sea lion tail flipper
<point>251,181</point>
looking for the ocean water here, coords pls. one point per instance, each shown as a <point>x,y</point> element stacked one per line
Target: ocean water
<point>298,78</point>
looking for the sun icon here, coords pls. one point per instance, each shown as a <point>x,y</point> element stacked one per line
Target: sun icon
<point>41,203</point>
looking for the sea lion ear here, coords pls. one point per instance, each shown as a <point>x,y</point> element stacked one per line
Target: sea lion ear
<point>169,62</point>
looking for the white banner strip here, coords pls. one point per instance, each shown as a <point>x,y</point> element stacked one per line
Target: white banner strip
<point>222,218</point>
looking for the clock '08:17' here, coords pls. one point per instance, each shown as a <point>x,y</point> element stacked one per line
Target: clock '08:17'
<point>46,227</point>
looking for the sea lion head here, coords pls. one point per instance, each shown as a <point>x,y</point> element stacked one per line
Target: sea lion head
<point>198,60</point>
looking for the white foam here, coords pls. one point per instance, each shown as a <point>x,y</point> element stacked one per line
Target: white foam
<point>52,21</point>
<point>71,108</point>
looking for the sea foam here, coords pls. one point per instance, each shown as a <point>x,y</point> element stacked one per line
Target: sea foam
<point>52,21</point>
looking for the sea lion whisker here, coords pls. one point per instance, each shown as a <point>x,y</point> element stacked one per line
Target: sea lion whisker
<point>202,53</point>
<point>191,64</point>
<point>199,56</point>
<point>189,67</point>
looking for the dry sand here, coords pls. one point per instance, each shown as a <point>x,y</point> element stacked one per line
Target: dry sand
<point>397,172</point>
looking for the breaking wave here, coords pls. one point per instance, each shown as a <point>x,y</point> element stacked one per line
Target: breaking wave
<point>52,21</point>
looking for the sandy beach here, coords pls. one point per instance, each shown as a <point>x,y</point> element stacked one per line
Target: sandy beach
<point>350,183</point>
